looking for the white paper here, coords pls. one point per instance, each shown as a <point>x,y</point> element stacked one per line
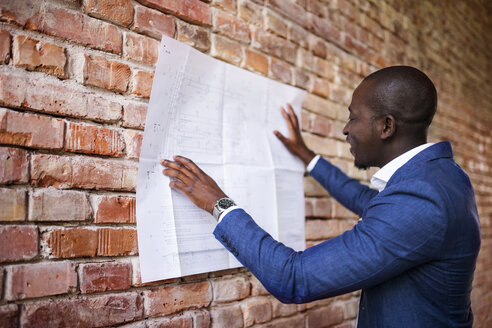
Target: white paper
<point>221,117</point>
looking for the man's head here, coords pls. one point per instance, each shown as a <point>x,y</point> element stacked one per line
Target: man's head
<point>390,113</point>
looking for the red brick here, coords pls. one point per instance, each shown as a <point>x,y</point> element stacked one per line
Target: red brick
<point>12,204</point>
<point>82,172</point>
<point>255,61</point>
<point>30,130</point>
<point>325,229</point>
<point>142,83</point>
<point>201,318</point>
<point>320,87</point>
<point>193,11</point>
<point>193,35</point>
<point>291,10</point>
<point>39,56</point>
<point>97,311</point>
<point>4,46</point>
<point>228,290</point>
<point>134,115</point>
<point>340,94</point>
<point>114,209</point>
<point>55,97</point>
<point>256,310</point>
<point>100,277</point>
<point>13,165</point>
<point>59,205</point>
<point>90,139</point>
<point>117,241</point>
<point>133,141</point>
<point>292,322</point>
<point>24,280</point>
<point>229,5</point>
<point>324,29</point>
<point>298,35</point>
<point>276,24</point>
<point>280,70</point>
<point>302,79</point>
<point>280,309</point>
<point>185,321</point>
<point>323,126</point>
<point>69,242</point>
<point>173,299</point>
<point>313,188</point>
<point>106,74</point>
<point>226,50</point>
<point>324,317</point>
<point>274,45</point>
<point>308,208</point>
<point>257,288</point>
<point>137,278</point>
<point>231,26</point>
<point>250,12</point>
<point>340,211</point>
<point>116,11</point>
<point>318,47</point>
<point>141,48</point>
<point>323,208</point>
<point>227,316</point>
<point>9,316</point>
<point>153,23</point>
<point>18,243</point>
<point>66,24</point>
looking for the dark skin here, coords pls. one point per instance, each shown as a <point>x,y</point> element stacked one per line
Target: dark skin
<point>374,139</point>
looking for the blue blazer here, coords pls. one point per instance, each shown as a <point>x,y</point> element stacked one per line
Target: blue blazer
<point>413,254</point>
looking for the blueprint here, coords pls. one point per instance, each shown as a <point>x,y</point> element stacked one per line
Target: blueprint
<point>222,117</point>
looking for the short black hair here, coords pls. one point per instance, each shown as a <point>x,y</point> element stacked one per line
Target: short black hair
<point>404,92</point>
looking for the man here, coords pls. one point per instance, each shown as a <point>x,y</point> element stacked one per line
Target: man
<point>413,254</point>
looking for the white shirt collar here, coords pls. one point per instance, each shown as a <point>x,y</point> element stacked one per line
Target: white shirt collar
<point>382,176</point>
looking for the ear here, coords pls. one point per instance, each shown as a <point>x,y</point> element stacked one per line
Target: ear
<point>388,126</point>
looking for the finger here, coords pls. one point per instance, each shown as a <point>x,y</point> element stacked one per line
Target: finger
<point>177,166</point>
<point>280,136</point>
<point>293,116</point>
<point>178,185</point>
<point>172,173</point>
<point>290,124</point>
<point>189,164</point>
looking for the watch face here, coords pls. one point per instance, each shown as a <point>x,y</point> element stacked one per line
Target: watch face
<point>225,203</point>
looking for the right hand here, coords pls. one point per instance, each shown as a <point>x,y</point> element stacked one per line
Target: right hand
<point>294,143</point>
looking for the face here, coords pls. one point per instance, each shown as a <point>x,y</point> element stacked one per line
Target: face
<point>361,131</point>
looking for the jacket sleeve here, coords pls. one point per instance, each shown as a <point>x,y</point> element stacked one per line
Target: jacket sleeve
<point>349,192</point>
<point>401,229</point>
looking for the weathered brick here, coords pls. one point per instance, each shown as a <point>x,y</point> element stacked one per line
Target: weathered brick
<point>302,79</point>
<point>13,165</point>
<point>322,106</point>
<point>24,280</point>
<point>280,309</point>
<point>99,277</point>
<point>201,318</point>
<point>114,209</point>
<point>313,188</point>
<point>82,172</point>
<point>308,208</point>
<point>18,243</point>
<point>291,10</point>
<point>280,70</point>
<point>274,45</point>
<point>325,29</point>
<point>97,311</point>
<point>12,204</point>
<point>275,24</point>
<point>193,35</point>
<point>141,48</point>
<point>106,74</point>
<point>133,141</point>
<point>153,23</point>
<point>227,316</point>
<point>292,322</point>
<point>60,22</point>
<point>250,12</point>
<point>255,61</point>
<point>231,26</point>
<point>256,310</point>
<point>324,317</point>
<point>173,299</point>
<point>142,83</point>
<point>325,229</point>
<point>193,11</point>
<point>137,278</point>
<point>116,11</point>
<point>229,5</point>
<point>323,208</point>
<point>55,97</point>
<point>320,145</point>
<point>340,211</point>
<point>117,241</point>
<point>4,46</point>
<point>91,139</point>
<point>40,56</point>
<point>318,46</point>
<point>320,87</point>
<point>134,115</point>
<point>298,35</point>
<point>30,130</point>
<point>225,49</point>
<point>227,290</point>
<point>9,316</point>
<point>69,242</point>
<point>257,288</point>
<point>58,205</point>
<point>185,321</point>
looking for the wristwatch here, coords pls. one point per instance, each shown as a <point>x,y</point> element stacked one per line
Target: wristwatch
<point>222,205</point>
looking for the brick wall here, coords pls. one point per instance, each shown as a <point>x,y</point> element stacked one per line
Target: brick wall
<point>75,78</point>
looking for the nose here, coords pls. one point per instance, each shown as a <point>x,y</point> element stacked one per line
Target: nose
<point>345,129</point>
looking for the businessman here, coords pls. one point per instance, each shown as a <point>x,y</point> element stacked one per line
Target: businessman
<point>413,254</point>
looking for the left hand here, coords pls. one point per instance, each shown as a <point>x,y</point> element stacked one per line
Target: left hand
<point>201,189</point>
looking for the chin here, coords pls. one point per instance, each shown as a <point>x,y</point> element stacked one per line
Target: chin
<point>361,166</point>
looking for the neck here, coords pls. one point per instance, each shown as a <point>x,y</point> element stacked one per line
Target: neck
<point>395,149</point>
